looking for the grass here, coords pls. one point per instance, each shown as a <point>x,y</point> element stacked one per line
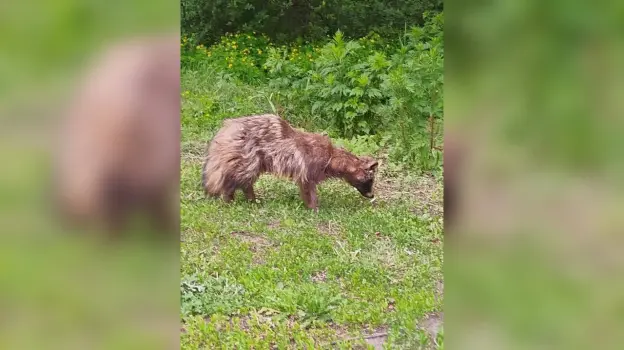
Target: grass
<point>272,273</point>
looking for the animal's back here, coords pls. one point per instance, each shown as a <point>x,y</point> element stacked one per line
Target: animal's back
<point>246,147</point>
<point>255,131</point>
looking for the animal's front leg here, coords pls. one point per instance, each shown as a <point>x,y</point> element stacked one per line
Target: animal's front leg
<point>308,194</point>
<point>305,196</point>
<point>313,203</point>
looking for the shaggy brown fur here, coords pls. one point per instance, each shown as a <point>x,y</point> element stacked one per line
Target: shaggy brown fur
<point>120,146</point>
<point>244,148</point>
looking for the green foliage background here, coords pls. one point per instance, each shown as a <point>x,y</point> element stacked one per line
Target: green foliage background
<point>288,20</point>
<point>383,95</point>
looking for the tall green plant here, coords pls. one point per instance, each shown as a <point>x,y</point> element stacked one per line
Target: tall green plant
<point>344,85</point>
<point>340,90</point>
<point>415,85</point>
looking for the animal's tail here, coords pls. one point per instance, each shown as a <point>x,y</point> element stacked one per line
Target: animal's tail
<point>213,177</point>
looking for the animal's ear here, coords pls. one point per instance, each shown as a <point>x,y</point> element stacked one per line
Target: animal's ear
<point>370,164</point>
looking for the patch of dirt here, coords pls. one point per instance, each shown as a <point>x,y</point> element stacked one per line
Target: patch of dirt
<point>255,240</point>
<point>431,324</point>
<point>377,338</point>
<point>274,224</point>
<point>319,277</point>
<point>424,190</point>
<point>328,228</point>
<point>244,324</point>
<point>257,244</point>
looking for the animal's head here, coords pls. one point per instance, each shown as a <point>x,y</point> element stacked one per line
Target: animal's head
<point>361,175</point>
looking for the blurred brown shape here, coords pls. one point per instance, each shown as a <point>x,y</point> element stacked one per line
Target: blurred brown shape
<point>454,152</point>
<point>119,150</point>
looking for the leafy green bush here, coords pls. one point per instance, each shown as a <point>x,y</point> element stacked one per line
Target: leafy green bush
<point>363,144</point>
<point>364,87</point>
<point>286,20</point>
<point>414,85</point>
<point>241,55</point>
<point>386,92</point>
<point>340,89</point>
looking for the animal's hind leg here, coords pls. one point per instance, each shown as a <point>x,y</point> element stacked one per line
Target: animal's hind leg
<point>210,194</point>
<point>228,195</point>
<point>228,192</point>
<point>249,192</point>
<point>305,196</point>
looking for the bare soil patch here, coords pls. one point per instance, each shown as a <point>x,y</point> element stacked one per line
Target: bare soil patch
<point>431,325</point>
<point>257,244</point>
<point>328,228</point>
<point>425,190</point>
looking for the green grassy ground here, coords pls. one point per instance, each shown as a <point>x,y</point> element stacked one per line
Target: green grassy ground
<point>274,273</point>
<point>255,274</point>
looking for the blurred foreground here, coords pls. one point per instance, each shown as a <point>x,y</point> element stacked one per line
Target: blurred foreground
<point>120,143</point>
<point>103,79</point>
<point>533,101</point>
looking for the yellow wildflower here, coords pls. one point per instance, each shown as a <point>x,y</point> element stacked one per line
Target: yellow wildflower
<point>230,65</point>
<point>259,52</point>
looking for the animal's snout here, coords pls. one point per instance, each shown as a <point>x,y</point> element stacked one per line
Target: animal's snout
<point>366,189</point>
